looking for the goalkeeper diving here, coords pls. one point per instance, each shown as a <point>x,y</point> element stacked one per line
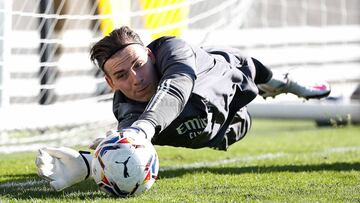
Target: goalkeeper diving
<point>175,94</point>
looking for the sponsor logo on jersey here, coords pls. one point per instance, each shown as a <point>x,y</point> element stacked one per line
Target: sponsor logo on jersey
<point>192,127</point>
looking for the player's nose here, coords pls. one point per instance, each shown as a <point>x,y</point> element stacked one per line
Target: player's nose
<point>136,77</point>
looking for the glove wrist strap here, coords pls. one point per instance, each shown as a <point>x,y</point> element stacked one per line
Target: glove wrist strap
<point>146,127</point>
<point>83,154</point>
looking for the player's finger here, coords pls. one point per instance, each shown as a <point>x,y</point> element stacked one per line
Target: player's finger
<point>45,165</point>
<point>111,132</point>
<point>38,161</point>
<point>62,153</point>
<point>58,185</point>
<point>44,173</point>
<point>43,158</point>
<point>96,142</point>
<point>52,151</point>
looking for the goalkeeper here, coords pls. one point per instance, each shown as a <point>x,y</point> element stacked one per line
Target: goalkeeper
<point>176,94</point>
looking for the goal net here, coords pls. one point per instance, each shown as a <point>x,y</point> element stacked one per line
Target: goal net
<point>50,92</point>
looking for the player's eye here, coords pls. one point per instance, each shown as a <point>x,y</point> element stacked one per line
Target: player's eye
<point>121,75</point>
<point>137,65</point>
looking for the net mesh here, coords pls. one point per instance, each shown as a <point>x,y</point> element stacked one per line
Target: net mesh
<point>48,82</point>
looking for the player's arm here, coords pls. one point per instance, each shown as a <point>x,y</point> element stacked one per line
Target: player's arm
<point>175,61</point>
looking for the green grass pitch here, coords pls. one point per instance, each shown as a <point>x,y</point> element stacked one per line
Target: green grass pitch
<point>278,161</point>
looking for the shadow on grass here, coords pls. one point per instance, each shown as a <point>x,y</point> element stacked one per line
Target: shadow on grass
<point>261,169</point>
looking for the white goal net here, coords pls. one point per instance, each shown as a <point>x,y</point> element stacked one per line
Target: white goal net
<point>51,93</point>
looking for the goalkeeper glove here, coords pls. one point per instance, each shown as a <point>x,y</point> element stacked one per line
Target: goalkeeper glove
<point>63,167</point>
<point>139,128</point>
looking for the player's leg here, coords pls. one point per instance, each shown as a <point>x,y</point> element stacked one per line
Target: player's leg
<point>263,73</point>
<point>237,130</point>
<point>272,84</point>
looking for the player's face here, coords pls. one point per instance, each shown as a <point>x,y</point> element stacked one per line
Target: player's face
<point>132,71</point>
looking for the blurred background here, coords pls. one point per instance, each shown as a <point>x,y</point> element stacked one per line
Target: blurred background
<point>50,92</point>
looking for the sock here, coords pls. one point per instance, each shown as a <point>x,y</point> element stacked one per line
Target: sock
<point>263,73</point>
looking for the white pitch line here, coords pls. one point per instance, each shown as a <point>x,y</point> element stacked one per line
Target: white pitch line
<point>223,162</point>
<point>341,149</point>
<point>335,150</point>
<point>22,184</point>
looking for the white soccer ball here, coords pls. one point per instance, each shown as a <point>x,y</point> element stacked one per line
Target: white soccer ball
<point>125,165</point>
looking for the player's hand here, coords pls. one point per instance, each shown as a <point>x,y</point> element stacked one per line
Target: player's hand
<point>97,140</point>
<point>141,128</point>
<point>63,167</point>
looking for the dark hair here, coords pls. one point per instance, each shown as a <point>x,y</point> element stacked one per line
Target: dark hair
<point>114,42</point>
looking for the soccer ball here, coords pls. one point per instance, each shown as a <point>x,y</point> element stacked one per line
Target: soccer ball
<point>125,164</point>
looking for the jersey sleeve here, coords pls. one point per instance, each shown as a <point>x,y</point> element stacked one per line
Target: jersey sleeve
<point>126,111</point>
<point>175,62</point>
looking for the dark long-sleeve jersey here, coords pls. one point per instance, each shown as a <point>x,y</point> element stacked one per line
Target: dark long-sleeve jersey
<point>199,92</point>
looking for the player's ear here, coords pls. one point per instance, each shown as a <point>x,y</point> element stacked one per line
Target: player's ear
<point>109,81</point>
<point>151,55</point>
